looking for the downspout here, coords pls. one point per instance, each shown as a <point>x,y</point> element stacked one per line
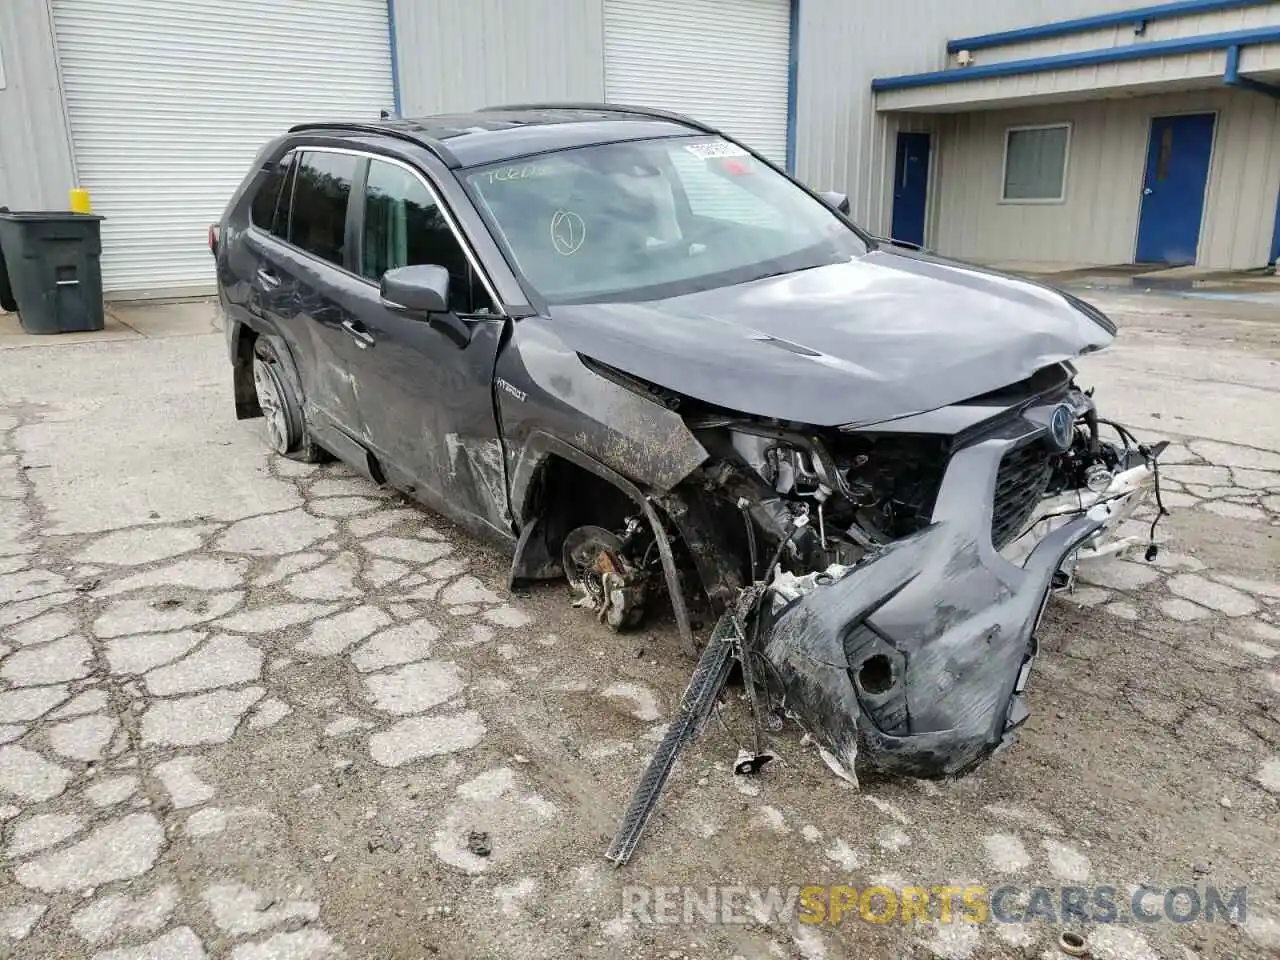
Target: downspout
<point>793,71</point>
<point>395,58</point>
<point>1232,77</point>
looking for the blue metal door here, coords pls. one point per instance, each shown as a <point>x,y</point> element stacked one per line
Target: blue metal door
<point>910,181</point>
<point>1173,189</point>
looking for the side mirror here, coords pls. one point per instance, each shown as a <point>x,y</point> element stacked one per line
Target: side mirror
<point>839,201</point>
<point>422,288</point>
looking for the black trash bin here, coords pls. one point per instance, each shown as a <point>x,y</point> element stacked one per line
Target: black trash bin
<point>54,270</point>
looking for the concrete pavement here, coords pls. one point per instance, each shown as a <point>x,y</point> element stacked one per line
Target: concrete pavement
<point>256,709</point>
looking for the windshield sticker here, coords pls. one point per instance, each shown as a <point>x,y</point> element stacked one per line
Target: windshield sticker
<point>737,168</point>
<point>525,171</point>
<point>707,151</point>
<point>568,232</point>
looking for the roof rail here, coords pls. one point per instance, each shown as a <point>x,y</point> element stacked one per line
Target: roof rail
<point>409,135</point>
<point>650,112</point>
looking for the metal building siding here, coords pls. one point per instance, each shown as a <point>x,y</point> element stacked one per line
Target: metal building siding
<point>1097,223</point>
<point>1243,183</point>
<point>35,152</point>
<point>168,105</point>
<point>462,54</point>
<point>726,64</point>
<point>841,143</point>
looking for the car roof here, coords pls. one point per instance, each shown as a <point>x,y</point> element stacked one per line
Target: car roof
<point>497,134</point>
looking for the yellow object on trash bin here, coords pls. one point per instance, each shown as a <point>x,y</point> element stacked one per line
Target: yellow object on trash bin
<point>80,200</point>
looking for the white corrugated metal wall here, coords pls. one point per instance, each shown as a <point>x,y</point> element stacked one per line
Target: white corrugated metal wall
<point>35,152</point>
<point>722,63</point>
<point>169,103</point>
<point>456,55</point>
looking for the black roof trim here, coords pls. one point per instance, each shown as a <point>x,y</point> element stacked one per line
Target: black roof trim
<point>406,130</point>
<point>622,108</point>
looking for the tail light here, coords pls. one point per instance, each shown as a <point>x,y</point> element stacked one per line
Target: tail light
<point>213,239</point>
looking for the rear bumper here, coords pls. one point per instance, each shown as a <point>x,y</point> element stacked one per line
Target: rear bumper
<point>919,657</point>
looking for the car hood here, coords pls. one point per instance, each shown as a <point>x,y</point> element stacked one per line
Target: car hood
<point>872,339</point>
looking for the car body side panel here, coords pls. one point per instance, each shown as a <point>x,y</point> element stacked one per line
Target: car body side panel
<point>309,318</point>
<point>428,409</point>
<point>542,385</point>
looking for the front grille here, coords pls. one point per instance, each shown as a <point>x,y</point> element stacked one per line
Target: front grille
<point>1020,484</point>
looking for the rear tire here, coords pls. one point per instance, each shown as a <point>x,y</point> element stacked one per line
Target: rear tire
<point>286,428</point>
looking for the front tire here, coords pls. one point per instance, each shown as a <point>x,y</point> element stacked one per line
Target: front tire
<point>286,430</point>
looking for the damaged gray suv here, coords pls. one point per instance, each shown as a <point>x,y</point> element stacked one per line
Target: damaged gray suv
<point>648,361</point>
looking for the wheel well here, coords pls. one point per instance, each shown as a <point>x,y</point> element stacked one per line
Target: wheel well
<point>246,396</point>
<point>566,496</point>
<point>563,496</point>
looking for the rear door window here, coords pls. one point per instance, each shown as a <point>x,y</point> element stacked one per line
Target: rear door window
<point>318,214</point>
<point>404,226</point>
<point>270,208</point>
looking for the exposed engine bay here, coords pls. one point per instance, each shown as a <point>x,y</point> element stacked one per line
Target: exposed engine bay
<point>881,585</point>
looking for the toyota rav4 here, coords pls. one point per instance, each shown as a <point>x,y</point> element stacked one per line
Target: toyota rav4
<point>647,360</point>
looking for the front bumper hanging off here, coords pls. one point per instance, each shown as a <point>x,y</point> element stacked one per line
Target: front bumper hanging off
<point>918,658</point>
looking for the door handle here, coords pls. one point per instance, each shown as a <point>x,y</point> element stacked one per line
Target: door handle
<point>1147,191</point>
<point>267,278</point>
<point>357,333</point>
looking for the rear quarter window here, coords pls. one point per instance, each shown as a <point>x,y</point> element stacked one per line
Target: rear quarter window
<point>267,211</point>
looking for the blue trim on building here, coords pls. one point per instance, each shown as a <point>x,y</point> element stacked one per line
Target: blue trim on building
<point>395,56</point>
<point>1138,17</point>
<point>1232,77</point>
<point>793,71</point>
<point>1067,61</point>
<point>1275,237</point>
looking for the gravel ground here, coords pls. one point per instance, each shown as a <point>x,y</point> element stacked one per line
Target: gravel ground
<point>265,711</point>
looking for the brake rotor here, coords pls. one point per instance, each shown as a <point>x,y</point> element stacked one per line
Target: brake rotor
<point>605,582</point>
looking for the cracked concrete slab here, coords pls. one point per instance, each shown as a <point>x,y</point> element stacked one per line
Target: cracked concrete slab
<point>238,909</point>
<point>332,635</point>
<point>224,661</point>
<point>204,718</point>
<point>118,850</point>
<point>409,551</point>
<point>277,616</point>
<point>16,923</point>
<point>117,912</point>
<point>181,943</point>
<point>41,832</point>
<point>183,783</point>
<point>1215,596</point>
<point>328,778</point>
<point>111,791</point>
<point>417,738</point>
<point>41,629</point>
<point>143,545</point>
<point>138,654</point>
<point>195,573</point>
<point>91,701</point>
<point>30,777</point>
<point>30,703</point>
<point>415,688</point>
<point>397,645</point>
<point>55,662</point>
<point>84,739</point>
<point>163,614</point>
<point>271,535</point>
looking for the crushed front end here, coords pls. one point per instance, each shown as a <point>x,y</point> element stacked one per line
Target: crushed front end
<point>906,565</point>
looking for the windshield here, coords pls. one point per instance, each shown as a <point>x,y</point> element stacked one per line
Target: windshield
<point>656,218</point>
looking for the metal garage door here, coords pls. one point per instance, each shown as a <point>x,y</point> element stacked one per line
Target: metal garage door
<point>169,102</point>
<point>722,61</point>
